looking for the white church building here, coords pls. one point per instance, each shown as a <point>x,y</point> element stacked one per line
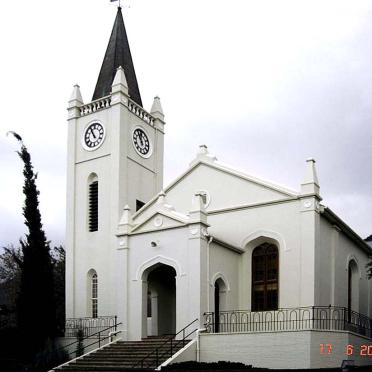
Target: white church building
<point>266,275</point>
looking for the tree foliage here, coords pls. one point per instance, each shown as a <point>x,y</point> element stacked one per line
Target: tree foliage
<point>10,276</point>
<point>36,313</point>
<point>10,273</point>
<point>10,263</point>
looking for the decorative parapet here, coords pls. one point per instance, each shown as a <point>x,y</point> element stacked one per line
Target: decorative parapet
<point>140,112</point>
<point>105,102</point>
<point>96,105</point>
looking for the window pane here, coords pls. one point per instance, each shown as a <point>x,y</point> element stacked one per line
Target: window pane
<point>94,298</point>
<point>94,308</point>
<point>265,277</point>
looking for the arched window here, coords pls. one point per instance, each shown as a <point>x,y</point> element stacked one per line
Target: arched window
<point>265,270</point>
<point>353,286</point>
<point>92,294</point>
<point>93,203</point>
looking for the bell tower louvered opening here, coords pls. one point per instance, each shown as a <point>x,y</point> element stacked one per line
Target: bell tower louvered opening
<point>93,206</point>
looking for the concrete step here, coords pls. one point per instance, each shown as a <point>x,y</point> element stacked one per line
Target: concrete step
<point>123,355</point>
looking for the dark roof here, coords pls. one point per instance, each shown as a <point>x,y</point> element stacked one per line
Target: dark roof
<point>117,54</point>
<point>369,239</point>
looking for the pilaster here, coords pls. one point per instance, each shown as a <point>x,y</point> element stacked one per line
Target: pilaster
<point>334,244</point>
<point>122,270</point>
<point>159,123</point>
<point>73,109</point>
<point>310,236</point>
<point>198,258</point>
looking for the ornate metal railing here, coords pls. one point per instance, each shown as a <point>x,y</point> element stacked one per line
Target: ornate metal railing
<point>90,326</point>
<point>290,319</point>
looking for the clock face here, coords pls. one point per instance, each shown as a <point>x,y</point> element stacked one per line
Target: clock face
<point>141,142</point>
<point>93,136</point>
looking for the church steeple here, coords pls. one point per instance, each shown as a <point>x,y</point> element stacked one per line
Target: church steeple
<point>117,54</point>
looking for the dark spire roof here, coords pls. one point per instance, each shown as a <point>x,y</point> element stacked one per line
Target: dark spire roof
<point>117,54</point>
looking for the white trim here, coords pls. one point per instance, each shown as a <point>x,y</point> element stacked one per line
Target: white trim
<point>233,172</point>
<point>174,356</point>
<point>217,276</point>
<point>291,194</point>
<point>351,257</point>
<point>265,234</point>
<point>169,215</point>
<point>155,260</point>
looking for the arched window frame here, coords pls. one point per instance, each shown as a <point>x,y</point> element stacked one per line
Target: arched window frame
<point>265,279</point>
<point>353,285</point>
<point>92,294</point>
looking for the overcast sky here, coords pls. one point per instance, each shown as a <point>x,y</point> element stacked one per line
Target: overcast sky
<point>265,84</point>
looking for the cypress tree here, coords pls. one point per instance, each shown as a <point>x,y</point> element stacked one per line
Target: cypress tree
<point>36,314</point>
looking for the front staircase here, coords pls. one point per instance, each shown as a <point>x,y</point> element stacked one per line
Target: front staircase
<point>125,355</point>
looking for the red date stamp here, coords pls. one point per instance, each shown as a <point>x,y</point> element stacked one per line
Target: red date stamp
<point>362,350</point>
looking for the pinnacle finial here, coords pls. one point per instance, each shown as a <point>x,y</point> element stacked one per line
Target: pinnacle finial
<point>310,185</point>
<point>126,217</point>
<point>120,82</point>
<point>198,212</point>
<point>203,155</point>
<point>156,109</point>
<point>76,99</point>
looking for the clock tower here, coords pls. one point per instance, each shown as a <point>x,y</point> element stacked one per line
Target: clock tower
<point>115,158</point>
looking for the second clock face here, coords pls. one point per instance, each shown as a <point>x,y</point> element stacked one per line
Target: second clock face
<point>141,142</point>
<point>93,137</point>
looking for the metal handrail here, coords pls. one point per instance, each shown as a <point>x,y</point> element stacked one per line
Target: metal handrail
<point>88,324</point>
<point>289,319</point>
<point>100,339</point>
<point>172,346</point>
<point>93,334</point>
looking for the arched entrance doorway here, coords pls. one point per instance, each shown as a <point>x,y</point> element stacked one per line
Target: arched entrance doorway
<point>160,301</point>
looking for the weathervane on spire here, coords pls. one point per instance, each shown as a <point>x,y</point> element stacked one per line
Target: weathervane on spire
<point>118,1</point>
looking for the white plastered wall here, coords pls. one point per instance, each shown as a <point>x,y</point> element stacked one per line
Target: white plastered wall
<point>296,349</point>
<point>123,177</point>
<point>178,248</point>
<point>224,266</point>
<point>336,250</point>
<point>278,224</point>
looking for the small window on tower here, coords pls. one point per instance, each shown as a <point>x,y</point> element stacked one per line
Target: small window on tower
<point>93,206</point>
<point>139,205</point>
